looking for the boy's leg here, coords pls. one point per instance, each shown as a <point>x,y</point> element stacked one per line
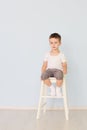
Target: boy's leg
<point>59,83</point>
<point>59,80</point>
<point>45,77</point>
<point>58,87</point>
<point>47,82</point>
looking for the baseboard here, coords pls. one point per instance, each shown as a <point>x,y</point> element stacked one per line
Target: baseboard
<point>35,108</point>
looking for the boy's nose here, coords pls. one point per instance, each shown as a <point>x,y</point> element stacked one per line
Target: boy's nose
<point>53,44</point>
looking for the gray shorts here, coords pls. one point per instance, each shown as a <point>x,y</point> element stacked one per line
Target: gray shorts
<point>58,74</point>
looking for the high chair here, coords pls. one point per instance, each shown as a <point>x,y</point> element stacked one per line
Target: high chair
<point>44,96</point>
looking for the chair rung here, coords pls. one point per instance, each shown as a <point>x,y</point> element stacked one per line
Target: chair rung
<point>51,97</point>
<point>43,104</point>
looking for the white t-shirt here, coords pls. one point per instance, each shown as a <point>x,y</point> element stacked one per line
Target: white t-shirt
<point>55,61</point>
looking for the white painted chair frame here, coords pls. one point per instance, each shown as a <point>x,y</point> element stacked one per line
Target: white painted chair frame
<point>43,92</point>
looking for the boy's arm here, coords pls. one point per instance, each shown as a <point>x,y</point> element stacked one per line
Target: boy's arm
<point>44,66</point>
<point>64,65</point>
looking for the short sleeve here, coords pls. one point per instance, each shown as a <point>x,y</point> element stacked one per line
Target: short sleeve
<point>63,58</point>
<point>46,56</point>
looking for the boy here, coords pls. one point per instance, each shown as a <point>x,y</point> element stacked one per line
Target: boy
<point>54,65</point>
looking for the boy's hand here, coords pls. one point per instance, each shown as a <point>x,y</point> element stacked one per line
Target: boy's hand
<point>64,72</point>
<point>64,65</point>
<point>44,66</point>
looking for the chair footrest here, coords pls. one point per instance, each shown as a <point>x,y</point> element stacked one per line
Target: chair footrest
<point>51,97</point>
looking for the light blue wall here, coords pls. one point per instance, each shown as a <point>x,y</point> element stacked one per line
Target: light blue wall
<point>24,30</point>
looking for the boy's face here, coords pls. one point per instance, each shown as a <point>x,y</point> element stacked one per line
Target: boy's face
<point>54,43</point>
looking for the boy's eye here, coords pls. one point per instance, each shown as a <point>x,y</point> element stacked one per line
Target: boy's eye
<point>53,43</point>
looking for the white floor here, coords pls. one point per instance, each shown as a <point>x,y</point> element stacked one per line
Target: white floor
<point>51,120</point>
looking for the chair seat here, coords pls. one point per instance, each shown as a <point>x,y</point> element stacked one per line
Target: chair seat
<point>53,79</point>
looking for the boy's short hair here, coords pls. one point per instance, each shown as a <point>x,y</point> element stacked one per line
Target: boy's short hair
<point>55,35</point>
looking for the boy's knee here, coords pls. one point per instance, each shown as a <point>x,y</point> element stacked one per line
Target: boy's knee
<point>44,76</point>
<point>59,75</point>
<point>59,82</point>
